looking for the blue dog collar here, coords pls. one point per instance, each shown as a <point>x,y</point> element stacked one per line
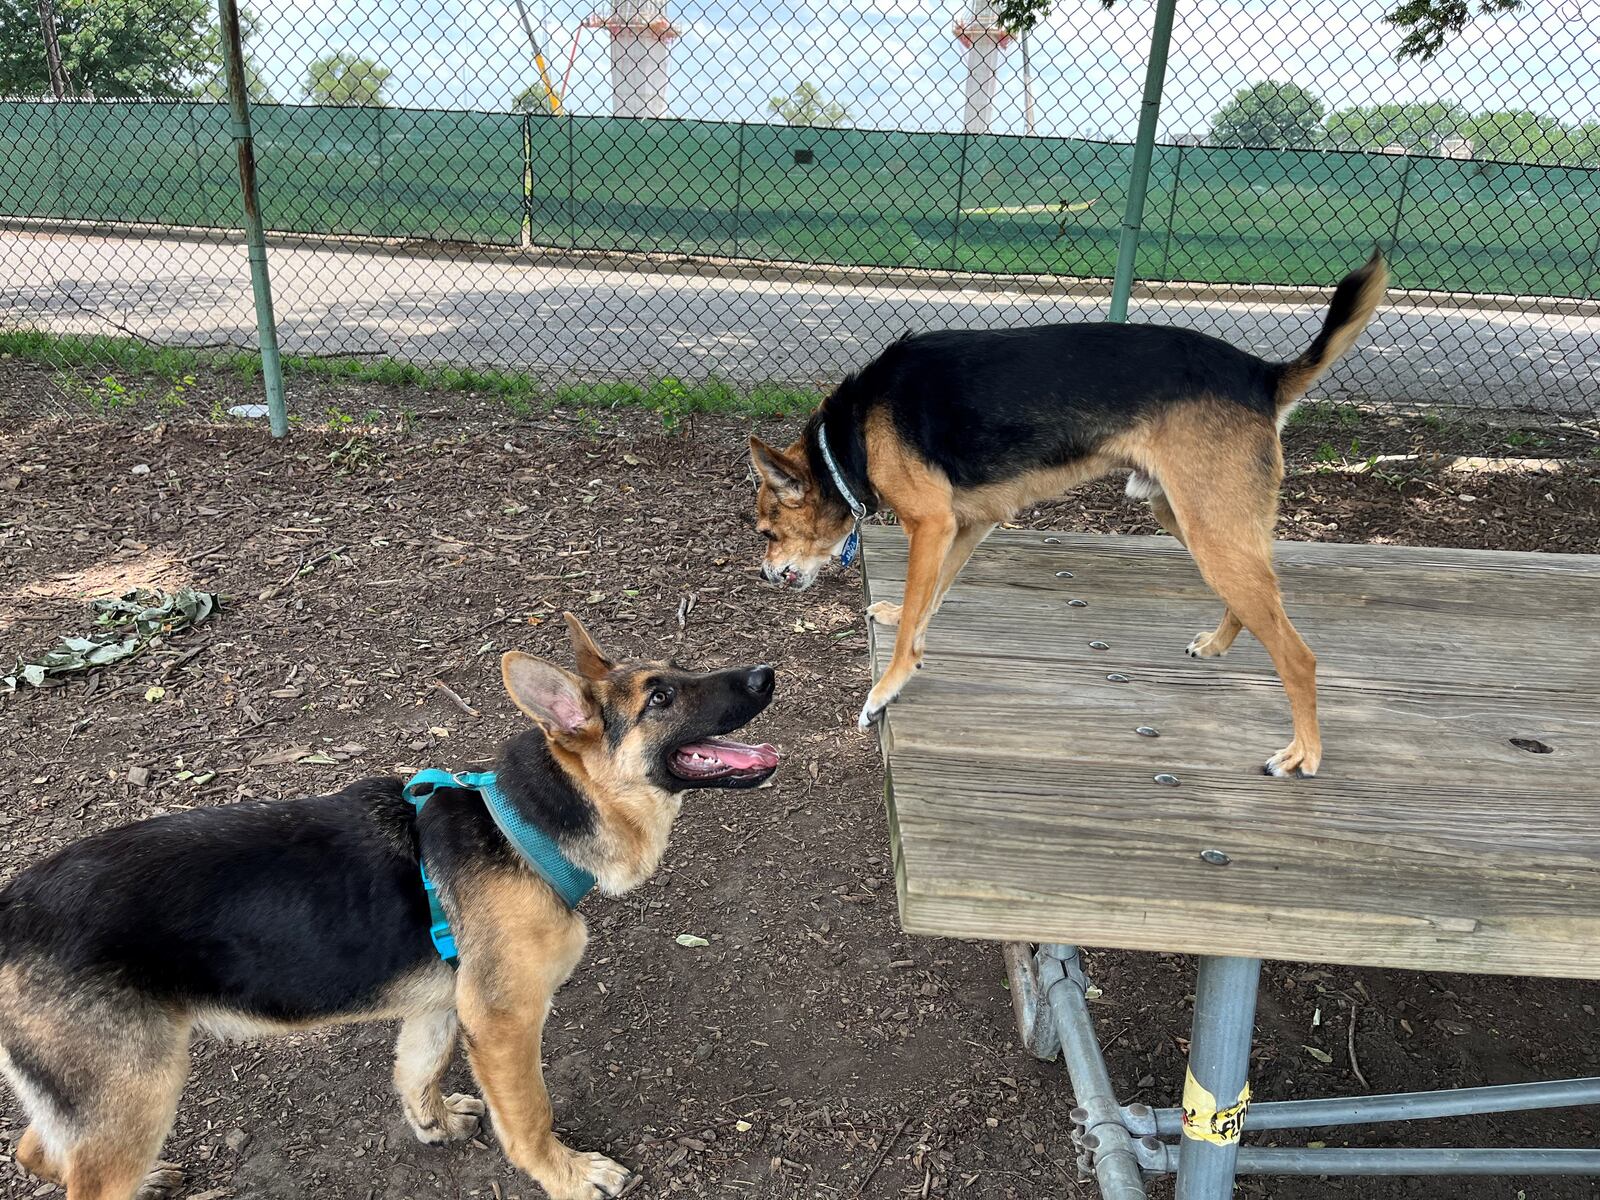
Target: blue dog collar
<point>858,510</point>
<point>535,847</point>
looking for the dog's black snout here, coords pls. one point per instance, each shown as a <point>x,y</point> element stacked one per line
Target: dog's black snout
<point>759,681</point>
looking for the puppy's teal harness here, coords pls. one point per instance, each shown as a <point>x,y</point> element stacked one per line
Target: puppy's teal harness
<point>532,844</point>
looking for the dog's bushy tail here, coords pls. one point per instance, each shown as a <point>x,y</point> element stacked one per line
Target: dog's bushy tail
<point>1354,301</point>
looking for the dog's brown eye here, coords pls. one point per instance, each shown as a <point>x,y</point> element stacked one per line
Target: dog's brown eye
<point>768,534</point>
<point>661,697</point>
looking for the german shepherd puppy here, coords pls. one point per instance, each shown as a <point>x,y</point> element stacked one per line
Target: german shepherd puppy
<point>266,917</point>
<point>958,430</point>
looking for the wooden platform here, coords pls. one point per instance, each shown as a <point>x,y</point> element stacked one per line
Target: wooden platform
<point>1024,806</point>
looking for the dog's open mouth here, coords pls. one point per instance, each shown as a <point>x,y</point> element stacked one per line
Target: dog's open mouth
<point>723,760</point>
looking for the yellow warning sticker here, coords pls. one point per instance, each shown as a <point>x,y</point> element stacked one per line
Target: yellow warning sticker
<point>1204,1121</point>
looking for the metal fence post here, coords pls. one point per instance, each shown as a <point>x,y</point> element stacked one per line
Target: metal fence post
<point>1399,208</point>
<point>255,235</point>
<point>381,139</point>
<point>572,184</point>
<point>961,197</point>
<point>1155,76</point>
<point>1172,217</point>
<point>195,113</point>
<point>527,181</point>
<point>738,192</point>
<point>1594,261</point>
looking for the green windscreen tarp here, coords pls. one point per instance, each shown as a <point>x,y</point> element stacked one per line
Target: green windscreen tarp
<point>386,172</point>
<point>937,201</point>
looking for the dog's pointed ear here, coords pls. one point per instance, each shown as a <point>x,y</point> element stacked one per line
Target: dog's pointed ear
<point>557,700</point>
<point>783,475</point>
<point>592,661</point>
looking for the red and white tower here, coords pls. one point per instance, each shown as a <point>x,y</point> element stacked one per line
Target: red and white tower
<point>641,41</point>
<point>985,40</point>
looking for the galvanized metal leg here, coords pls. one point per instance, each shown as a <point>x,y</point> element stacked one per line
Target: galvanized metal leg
<point>1106,1145</point>
<point>1216,1092</point>
<point>1028,1004</point>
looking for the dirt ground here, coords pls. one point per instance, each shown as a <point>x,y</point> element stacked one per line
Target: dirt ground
<point>810,1049</point>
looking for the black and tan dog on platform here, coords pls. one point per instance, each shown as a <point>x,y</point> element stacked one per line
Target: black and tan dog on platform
<point>447,905</point>
<point>959,430</point>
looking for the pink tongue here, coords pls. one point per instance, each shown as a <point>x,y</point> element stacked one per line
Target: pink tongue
<point>735,755</point>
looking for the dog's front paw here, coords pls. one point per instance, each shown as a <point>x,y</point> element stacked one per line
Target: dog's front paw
<point>590,1177</point>
<point>1294,761</point>
<point>1205,645</point>
<point>878,699</point>
<point>162,1183</point>
<point>884,613</point>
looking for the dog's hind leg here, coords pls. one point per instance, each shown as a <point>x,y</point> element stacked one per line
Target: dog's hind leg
<point>1226,506</point>
<point>34,1158</point>
<point>421,1057</point>
<point>1217,642</point>
<point>126,1117</point>
<point>99,1071</point>
<point>968,538</point>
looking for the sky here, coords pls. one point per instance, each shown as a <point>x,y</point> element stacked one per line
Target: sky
<point>894,64</point>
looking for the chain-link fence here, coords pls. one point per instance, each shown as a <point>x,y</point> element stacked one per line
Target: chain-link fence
<point>769,193</point>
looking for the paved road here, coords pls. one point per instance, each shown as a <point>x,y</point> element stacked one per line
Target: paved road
<point>564,322</point>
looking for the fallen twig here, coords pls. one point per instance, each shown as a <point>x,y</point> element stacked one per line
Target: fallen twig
<point>882,1155</point>
<point>449,694</point>
<point>170,667</point>
<point>747,1095</point>
<point>1355,1066</point>
<point>307,567</point>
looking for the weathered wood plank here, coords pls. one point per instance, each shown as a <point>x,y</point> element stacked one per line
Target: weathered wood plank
<point>1373,652</point>
<point>1027,546</point>
<point>1314,574</point>
<point>1024,805</point>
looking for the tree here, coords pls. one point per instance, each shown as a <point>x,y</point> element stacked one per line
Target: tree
<point>1020,16</point>
<point>346,79</point>
<point>1269,114</point>
<point>111,49</point>
<point>50,31</point>
<point>1520,136</point>
<point>532,99</point>
<point>255,86</point>
<point>1583,150</point>
<point>1421,128</point>
<point>806,106</point>
<point>1427,23</point>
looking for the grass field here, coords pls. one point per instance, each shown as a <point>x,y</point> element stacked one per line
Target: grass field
<point>111,373</point>
<point>851,197</point>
